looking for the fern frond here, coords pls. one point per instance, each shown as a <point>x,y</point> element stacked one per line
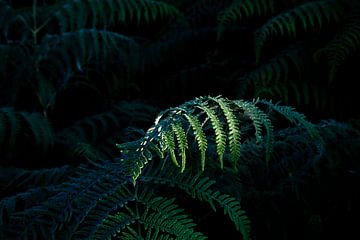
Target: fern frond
<point>113,225</point>
<point>162,214</point>
<point>100,222</point>
<point>76,14</point>
<point>296,118</point>
<point>240,9</point>
<point>16,180</point>
<point>301,93</point>
<point>311,16</point>
<point>195,115</point>
<point>200,187</point>
<point>85,46</point>
<point>277,69</point>
<point>12,123</point>
<point>338,50</point>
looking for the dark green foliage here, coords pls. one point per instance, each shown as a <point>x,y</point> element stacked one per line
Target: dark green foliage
<point>310,16</point>
<point>79,76</point>
<point>34,127</point>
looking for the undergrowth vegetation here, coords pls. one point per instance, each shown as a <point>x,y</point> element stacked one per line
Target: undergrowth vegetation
<point>162,119</point>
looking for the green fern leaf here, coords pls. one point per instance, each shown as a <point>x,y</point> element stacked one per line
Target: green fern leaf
<point>234,133</point>
<point>220,135</point>
<point>199,136</point>
<point>182,141</point>
<point>168,138</point>
<point>259,118</point>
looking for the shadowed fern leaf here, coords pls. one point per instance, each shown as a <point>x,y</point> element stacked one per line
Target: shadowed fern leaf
<point>200,187</point>
<point>77,14</point>
<point>277,69</point>
<point>341,48</point>
<point>240,9</point>
<point>84,46</point>
<point>13,124</point>
<point>310,16</point>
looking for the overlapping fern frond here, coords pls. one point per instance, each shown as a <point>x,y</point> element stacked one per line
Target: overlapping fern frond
<point>310,16</point>
<point>240,9</point>
<point>201,188</point>
<point>14,124</point>
<point>341,47</point>
<point>77,48</point>
<point>74,15</point>
<point>97,202</point>
<point>276,71</point>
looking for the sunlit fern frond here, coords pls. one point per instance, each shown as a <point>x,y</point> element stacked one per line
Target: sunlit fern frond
<point>227,119</point>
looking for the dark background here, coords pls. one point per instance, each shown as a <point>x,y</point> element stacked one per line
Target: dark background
<point>87,79</point>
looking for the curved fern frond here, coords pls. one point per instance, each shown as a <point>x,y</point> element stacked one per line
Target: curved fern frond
<point>277,68</point>
<point>240,9</point>
<point>311,16</point>
<point>196,115</point>
<point>15,123</point>
<point>100,223</point>
<point>296,118</point>
<point>301,93</point>
<point>201,188</point>
<point>86,45</point>
<point>76,14</point>
<point>16,179</point>
<point>154,213</point>
<point>162,215</point>
<point>341,48</point>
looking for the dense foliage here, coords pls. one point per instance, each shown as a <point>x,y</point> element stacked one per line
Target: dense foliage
<point>162,119</point>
